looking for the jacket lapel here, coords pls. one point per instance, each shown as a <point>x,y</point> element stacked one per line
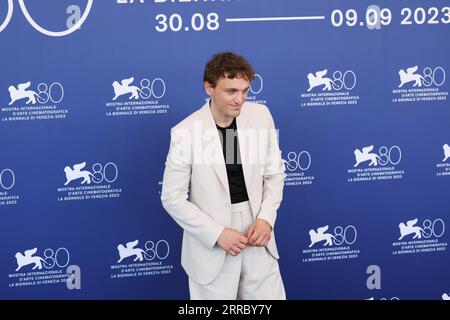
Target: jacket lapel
<point>243,122</point>
<point>212,147</point>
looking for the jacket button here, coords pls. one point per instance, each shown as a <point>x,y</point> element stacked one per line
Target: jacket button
<point>227,204</point>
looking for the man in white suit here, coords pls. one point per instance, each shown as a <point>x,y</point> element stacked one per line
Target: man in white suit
<point>223,184</point>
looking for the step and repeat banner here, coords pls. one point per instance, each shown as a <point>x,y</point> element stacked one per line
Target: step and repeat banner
<point>90,89</point>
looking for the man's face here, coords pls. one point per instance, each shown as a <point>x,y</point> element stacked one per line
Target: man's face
<point>228,96</point>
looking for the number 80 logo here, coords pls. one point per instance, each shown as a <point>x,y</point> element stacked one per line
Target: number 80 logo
<point>35,25</point>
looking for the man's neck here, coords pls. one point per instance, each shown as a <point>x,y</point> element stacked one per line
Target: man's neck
<point>220,119</point>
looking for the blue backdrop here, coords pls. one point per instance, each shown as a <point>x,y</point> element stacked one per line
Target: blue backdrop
<point>90,89</point>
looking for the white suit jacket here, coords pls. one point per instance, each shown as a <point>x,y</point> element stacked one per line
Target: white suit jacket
<point>195,189</point>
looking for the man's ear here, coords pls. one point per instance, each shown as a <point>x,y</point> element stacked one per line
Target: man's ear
<point>209,89</point>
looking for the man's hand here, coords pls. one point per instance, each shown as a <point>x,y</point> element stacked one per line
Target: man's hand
<point>259,233</point>
<point>232,241</point>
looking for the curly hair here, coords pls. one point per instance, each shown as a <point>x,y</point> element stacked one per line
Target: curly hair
<point>227,64</point>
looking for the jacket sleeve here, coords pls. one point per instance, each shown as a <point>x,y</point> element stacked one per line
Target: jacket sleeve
<point>273,176</point>
<point>175,189</point>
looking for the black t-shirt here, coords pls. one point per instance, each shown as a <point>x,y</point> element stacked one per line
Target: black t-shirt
<point>230,145</point>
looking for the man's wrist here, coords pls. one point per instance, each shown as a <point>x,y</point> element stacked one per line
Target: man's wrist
<point>260,219</point>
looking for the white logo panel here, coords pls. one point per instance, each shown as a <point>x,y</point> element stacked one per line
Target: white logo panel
<point>147,260</point>
<point>417,85</point>
<point>443,167</point>
<point>99,181</point>
<point>298,171</point>
<point>144,98</point>
<point>331,244</point>
<point>28,103</point>
<point>8,196</point>
<point>330,89</point>
<point>37,268</point>
<point>256,90</point>
<point>416,238</point>
<point>383,164</point>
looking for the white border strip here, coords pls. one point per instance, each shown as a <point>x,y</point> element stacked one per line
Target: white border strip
<point>274,19</point>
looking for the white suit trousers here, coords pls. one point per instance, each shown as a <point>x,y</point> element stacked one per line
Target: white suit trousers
<point>254,274</point>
